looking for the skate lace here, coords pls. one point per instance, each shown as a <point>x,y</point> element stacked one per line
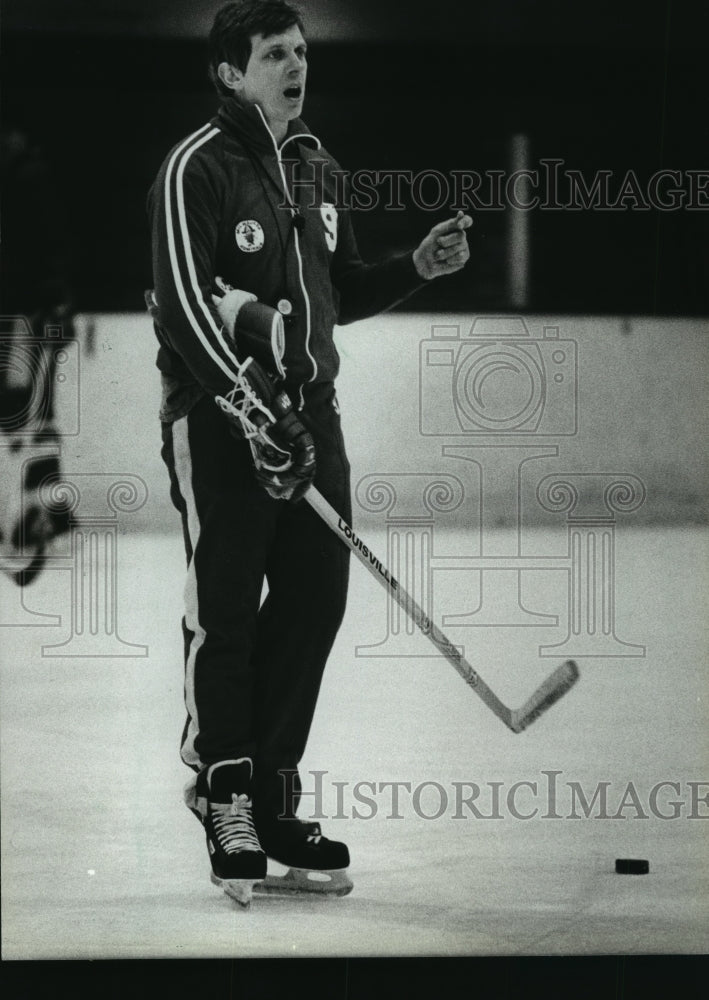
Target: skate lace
<point>234,825</point>
<point>315,836</point>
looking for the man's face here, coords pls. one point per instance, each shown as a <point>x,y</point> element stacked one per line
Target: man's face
<point>275,75</point>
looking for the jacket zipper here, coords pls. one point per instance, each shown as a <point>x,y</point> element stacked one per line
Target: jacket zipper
<point>301,275</point>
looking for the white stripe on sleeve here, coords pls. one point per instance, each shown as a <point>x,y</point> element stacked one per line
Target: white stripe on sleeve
<point>229,364</point>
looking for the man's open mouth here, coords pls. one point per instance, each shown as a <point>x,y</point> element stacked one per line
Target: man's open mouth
<point>294,92</point>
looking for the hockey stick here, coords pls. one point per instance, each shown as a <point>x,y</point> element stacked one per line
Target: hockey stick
<point>554,687</point>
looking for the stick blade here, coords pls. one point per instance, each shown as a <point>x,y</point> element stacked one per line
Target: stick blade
<point>550,691</point>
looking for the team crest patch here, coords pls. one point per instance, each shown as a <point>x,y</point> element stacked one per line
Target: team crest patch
<point>249,236</point>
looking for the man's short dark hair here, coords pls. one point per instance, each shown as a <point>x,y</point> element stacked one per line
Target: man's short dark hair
<point>234,26</point>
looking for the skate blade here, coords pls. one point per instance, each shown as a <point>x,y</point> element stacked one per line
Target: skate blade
<point>335,882</point>
<point>240,890</point>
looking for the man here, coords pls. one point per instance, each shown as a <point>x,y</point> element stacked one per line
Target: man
<point>230,227</point>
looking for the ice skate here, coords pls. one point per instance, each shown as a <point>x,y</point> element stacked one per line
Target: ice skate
<point>315,864</point>
<point>221,800</point>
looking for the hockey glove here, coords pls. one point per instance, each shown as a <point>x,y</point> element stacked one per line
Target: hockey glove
<point>292,480</point>
<point>282,449</point>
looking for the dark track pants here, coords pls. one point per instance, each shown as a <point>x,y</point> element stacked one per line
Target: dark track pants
<point>252,670</point>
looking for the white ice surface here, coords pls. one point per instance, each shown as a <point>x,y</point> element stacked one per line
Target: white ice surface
<point>100,859</point>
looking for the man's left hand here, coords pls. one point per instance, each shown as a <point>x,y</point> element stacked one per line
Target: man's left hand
<point>229,302</point>
<point>445,249</point>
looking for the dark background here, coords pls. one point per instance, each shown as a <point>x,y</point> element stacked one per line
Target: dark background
<point>105,89</point>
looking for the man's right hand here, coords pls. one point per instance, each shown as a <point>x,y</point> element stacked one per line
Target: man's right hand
<point>283,450</point>
<point>287,470</point>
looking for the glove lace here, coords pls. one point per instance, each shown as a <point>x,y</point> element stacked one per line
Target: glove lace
<point>244,404</point>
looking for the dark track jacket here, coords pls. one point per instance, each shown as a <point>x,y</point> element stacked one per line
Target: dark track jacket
<point>229,202</point>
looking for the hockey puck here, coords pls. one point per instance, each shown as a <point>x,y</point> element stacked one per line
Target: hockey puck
<point>632,866</point>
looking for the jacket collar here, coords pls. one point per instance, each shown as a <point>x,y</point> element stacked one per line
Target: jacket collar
<point>246,122</point>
